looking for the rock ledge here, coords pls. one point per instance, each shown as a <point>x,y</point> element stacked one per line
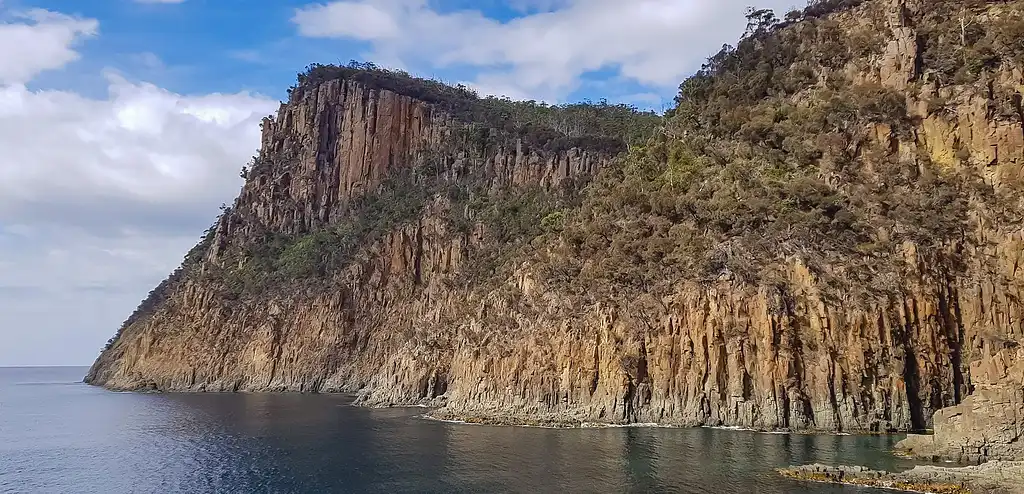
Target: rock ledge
<point>1006,477</point>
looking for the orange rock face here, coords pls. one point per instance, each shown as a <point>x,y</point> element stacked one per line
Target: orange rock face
<point>399,325</point>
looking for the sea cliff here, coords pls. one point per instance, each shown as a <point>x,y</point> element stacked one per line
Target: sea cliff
<point>822,235</point>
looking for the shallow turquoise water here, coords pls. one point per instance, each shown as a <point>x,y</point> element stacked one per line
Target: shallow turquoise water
<point>58,435</point>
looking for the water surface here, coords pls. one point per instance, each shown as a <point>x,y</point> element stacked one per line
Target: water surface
<point>58,435</point>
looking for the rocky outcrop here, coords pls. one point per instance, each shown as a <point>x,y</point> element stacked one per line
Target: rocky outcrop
<point>899,64</point>
<point>988,424</point>
<point>721,357</point>
<point>400,321</point>
<point>995,478</point>
<point>329,146</point>
<point>341,139</point>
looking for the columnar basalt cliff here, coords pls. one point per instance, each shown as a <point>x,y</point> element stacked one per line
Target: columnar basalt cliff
<point>822,235</point>
<point>988,425</point>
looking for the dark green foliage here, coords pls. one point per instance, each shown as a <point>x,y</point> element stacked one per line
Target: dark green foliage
<point>821,8</point>
<point>554,221</point>
<point>508,219</point>
<point>674,212</point>
<point>282,259</point>
<point>512,215</point>
<point>760,22</point>
<point>375,77</point>
<point>763,163</point>
<point>962,39</point>
<point>763,72</point>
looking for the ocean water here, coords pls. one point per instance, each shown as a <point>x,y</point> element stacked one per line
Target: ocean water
<point>60,436</point>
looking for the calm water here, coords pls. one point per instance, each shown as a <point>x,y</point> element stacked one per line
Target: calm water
<point>57,435</point>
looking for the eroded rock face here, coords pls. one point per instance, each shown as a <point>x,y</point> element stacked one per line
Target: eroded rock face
<point>899,65</point>
<point>988,424</point>
<point>398,326</point>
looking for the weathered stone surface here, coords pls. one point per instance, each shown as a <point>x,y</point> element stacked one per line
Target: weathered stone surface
<point>995,477</point>
<point>988,424</point>
<point>898,66</point>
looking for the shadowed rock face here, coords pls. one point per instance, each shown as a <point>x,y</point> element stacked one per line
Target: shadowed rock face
<point>399,323</point>
<point>988,424</point>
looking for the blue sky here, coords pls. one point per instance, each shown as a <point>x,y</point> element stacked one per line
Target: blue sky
<point>124,123</point>
<point>205,46</point>
<point>200,46</point>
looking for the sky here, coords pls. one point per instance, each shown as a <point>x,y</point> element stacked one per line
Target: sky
<point>124,123</point>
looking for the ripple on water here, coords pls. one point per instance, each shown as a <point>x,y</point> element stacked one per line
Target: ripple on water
<point>69,437</point>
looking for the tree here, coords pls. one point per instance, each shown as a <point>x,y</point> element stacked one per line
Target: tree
<point>759,22</point>
<point>967,18</point>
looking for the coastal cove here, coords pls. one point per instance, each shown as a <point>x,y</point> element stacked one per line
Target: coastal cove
<point>59,435</point>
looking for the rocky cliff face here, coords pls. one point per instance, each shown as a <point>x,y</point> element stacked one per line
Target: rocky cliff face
<point>439,300</point>
<point>327,148</point>
<point>988,425</point>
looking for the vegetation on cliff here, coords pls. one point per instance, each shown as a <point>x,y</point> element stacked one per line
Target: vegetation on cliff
<point>767,156</point>
<point>820,234</point>
<point>771,154</point>
<point>509,218</point>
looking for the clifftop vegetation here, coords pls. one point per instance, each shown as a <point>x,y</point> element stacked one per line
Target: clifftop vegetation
<point>587,124</point>
<point>771,155</point>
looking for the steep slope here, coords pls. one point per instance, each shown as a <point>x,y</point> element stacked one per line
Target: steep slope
<point>372,194</point>
<point>823,234</point>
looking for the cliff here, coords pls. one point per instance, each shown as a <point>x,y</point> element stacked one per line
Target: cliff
<point>988,425</point>
<point>823,234</point>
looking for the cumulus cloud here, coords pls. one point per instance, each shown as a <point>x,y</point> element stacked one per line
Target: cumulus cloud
<point>142,160</point>
<point>39,40</point>
<point>100,197</point>
<point>544,53</point>
<point>365,21</point>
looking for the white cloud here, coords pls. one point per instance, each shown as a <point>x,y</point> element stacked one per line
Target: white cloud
<point>64,291</point>
<point>115,163</point>
<point>101,197</point>
<point>40,40</point>
<point>543,54</point>
<point>363,21</point>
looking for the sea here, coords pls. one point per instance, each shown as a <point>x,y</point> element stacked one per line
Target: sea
<point>58,435</point>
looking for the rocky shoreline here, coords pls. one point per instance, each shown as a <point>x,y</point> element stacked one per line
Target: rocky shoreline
<point>995,476</point>
<point>986,428</point>
<point>1000,477</point>
<point>564,421</point>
